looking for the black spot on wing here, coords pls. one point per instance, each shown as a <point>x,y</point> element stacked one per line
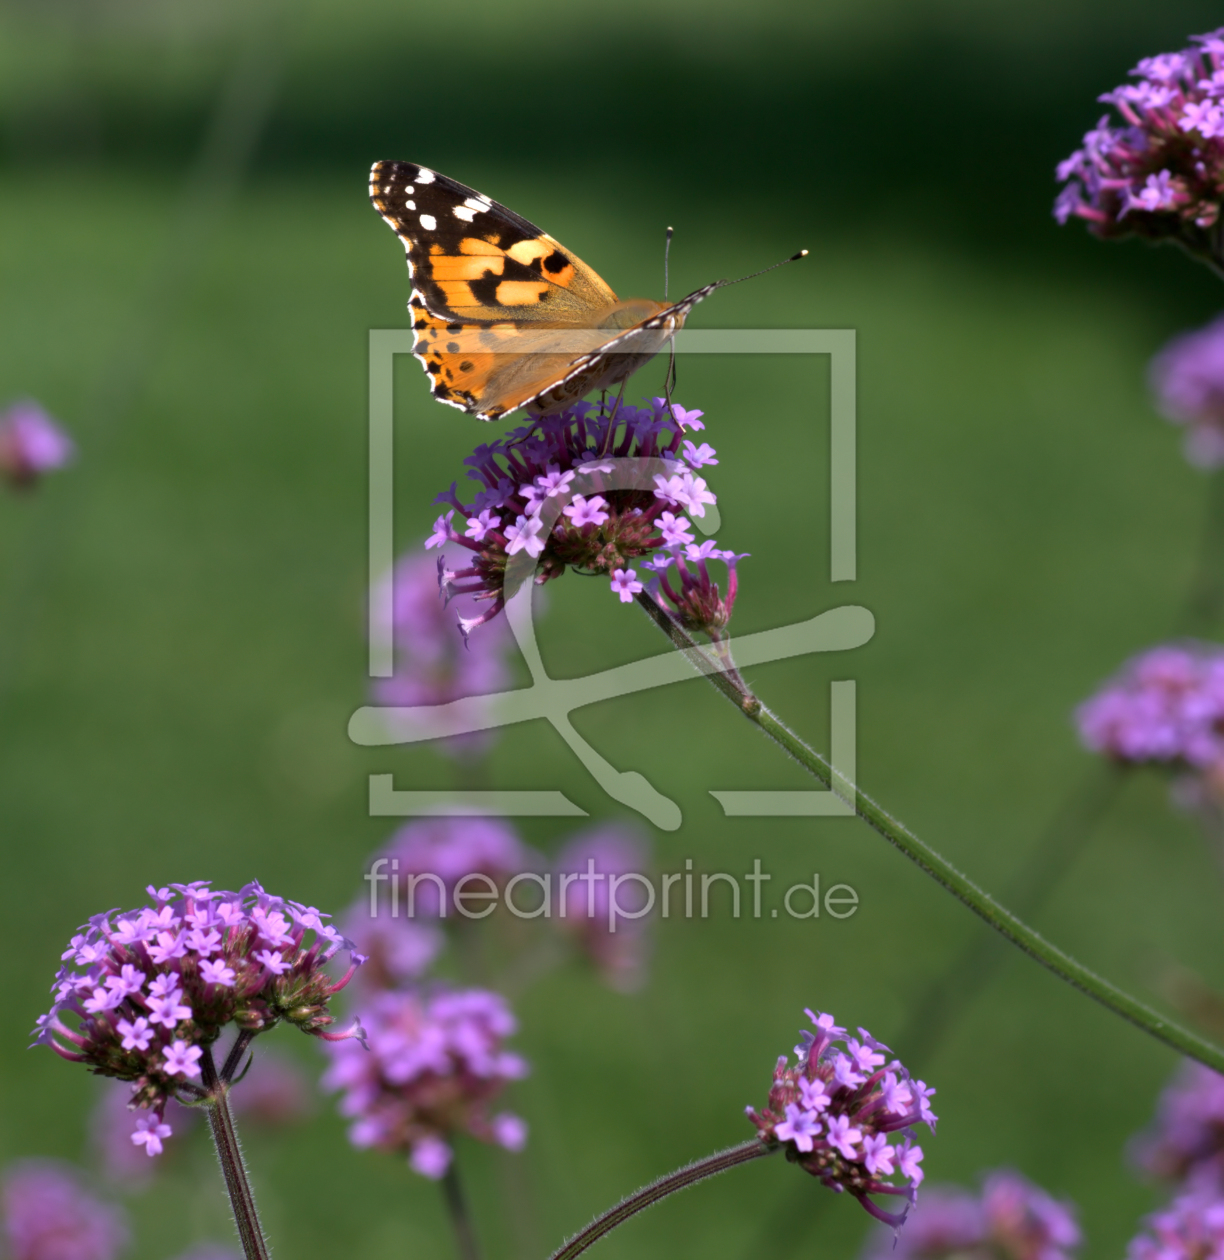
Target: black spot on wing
<point>484,290</point>
<point>555,262</point>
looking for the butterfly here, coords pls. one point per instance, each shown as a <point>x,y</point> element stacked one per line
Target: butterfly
<point>506,318</point>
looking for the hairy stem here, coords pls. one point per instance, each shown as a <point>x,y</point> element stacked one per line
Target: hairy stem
<point>650,1194</point>
<point>938,867</point>
<point>233,1169</point>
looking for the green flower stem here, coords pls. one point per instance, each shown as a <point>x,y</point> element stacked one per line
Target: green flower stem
<point>650,1194</point>
<point>941,870</point>
<point>461,1217</point>
<point>229,1153</point>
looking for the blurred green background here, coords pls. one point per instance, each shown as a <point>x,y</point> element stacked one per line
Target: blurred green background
<point>188,270</point>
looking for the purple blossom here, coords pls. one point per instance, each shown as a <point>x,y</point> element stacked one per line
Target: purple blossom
<point>626,585</point>
<point>429,857</point>
<point>433,663</point>
<point>1187,378</point>
<point>169,1010</point>
<point>48,1215</point>
<point>31,444</point>
<point>435,1063</point>
<point>1165,706</point>
<point>1011,1219</point>
<point>599,529</point>
<point>589,859</point>
<point>1185,1143</point>
<point>842,1138</point>
<point>1161,173</point>
<point>1190,1228</point>
<point>695,599</point>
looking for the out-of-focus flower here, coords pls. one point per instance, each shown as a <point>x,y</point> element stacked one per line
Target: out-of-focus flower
<point>1190,1228</point>
<point>428,858</point>
<point>1166,705</point>
<point>616,944</point>
<point>1011,1219</point>
<point>48,1215</point>
<point>434,662</point>
<point>1160,174</point>
<point>1185,1144</point>
<point>435,1064</point>
<point>119,1159</point>
<point>1187,377</point>
<point>834,1111</point>
<point>151,989</point>
<point>31,444</point>
<point>273,1091</point>
<point>548,489</point>
<point>397,950</point>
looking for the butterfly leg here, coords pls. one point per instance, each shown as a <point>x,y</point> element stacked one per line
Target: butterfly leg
<point>606,449</point>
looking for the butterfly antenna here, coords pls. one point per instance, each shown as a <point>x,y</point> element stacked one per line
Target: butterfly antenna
<point>666,254</point>
<point>753,274</point>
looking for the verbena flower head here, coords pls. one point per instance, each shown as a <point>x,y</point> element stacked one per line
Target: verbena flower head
<point>434,663</point>
<point>1186,1142</point>
<point>1166,705</point>
<point>435,1064</point>
<point>1011,1219</point>
<point>31,444</point>
<point>149,990</point>
<point>442,852</point>
<point>619,956</point>
<point>1187,377</point>
<point>48,1215</point>
<point>548,489</point>
<point>1190,1228</point>
<point>1160,174</point>
<point>833,1112</point>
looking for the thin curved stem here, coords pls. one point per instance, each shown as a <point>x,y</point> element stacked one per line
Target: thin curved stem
<point>650,1194</point>
<point>935,865</point>
<point>460,1216</point>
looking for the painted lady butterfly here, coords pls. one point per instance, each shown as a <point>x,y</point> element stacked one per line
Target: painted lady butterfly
<point>506,318</point>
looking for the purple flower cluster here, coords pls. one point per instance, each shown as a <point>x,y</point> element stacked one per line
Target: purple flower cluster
<point>432,666</point>
<point>1011,1219</point>
<point>1185,1145</point>
<point>1161,174</point>
<point>1190,1228</point>
<point>31,444</point>
<point>834,1111</point>
<point>1187,377</point>
<point>48,1215</point>
<point>435,1063</point>
<point>547,490</point>
<point>1166,705</point>
<point>151,989</point>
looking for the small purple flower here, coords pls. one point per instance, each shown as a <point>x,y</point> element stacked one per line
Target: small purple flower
<point>150,1130</point>
<point>599,529</point>
<point>168,1009</point>
<point>583,870</point>
<point>1185,1144</point>
<point>48,1215</point>
<point>695,600</point>
<point>1161,173</point>
<point>1190,1228</point>
<point>846,1143</point>
<point>1165,706</point>
<point>435,1063</point>
<point>1187,378</point>
<point>626,585</point>
<point>31,444</point>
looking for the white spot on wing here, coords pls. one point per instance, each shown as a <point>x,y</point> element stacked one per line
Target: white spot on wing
<point>479,204</point>
<point>424,176</point>
<point>410,204</point>
<point>428,222</point>
<point>464,213</point>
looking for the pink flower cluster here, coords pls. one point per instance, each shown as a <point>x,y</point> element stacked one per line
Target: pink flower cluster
<point>1187,377</point>
<point>834,1110</point>
<point>49,1215</point>
<point>1011,1219</point>
<point>1190,1228</point>
<point>532,473</point>
<point>435,1063</point>
<point>1185,1145</point>
<point>151,989</point>
<point>1166,705</point>
<point>31,444</point>
<point>1161,174</point>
